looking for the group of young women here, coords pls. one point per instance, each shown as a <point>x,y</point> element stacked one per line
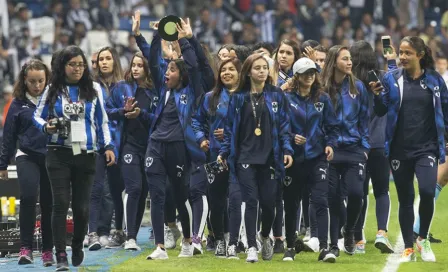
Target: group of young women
<point>284,127</point>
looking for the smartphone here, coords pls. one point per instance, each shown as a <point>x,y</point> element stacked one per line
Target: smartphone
<point>214,167</point>
<point>372,77</point>
<point>387,49</point>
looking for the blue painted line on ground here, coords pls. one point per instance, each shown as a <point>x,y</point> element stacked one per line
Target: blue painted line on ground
<point>101,260</point>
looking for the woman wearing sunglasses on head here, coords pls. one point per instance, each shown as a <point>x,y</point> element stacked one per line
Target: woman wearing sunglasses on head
<point>72,113</point>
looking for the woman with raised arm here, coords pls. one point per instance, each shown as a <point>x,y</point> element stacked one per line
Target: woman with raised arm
<point>172,147</point>
<point>415,100</point>
<point>258,148</point>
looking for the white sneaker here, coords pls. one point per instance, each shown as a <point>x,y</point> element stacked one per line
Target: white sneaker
<point>131,244</point>
<point>171,237</point>
<point>341,244</point>
<point>312,245</point>
<point>186,251</point>
<point>307,235</point>
<point>424,247</point>
<point>85,243</point>
<point>104,240</point>
<point>252,255</point>
<point>158,254</point>
<point>227,238</point>
<point>407,256</point>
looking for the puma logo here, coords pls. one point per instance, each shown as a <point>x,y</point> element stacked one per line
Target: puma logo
<point>433,160</point>
<point>294,106</point>
<point>362,165</point>
<point>323,170</point>
<point>181,168</point>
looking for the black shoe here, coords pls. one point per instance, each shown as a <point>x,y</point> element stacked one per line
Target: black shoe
<point>327,256</point>
<point>334,250</point>
<point>433,240</point>
<point>77,256</point>
<point>430,238</point>
<point>240,247</point>
<point>289,255</point>
<point>211,243</point>
<point>349,242</point>
<point>221,250</point>
<point>299,246</point>
<point>279,246</point>
<point>62,262</point>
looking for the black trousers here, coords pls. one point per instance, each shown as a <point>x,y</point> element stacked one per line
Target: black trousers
<point>425,169</point>
<point>31,174</point>
<point>70,173</point>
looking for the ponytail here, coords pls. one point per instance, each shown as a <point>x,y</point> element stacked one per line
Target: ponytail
<point>427,62</point>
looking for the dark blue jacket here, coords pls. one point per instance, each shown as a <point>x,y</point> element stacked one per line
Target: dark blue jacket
<point>377,125</point>
<point>352,113</point>
<point>205,70</point>
<point>389,101</point>
<point>280,131</point>
<point>115,108</point>
<point>185,98</point>
<point>204,123</point>
<point>19,127</point>
<point>316,121</point>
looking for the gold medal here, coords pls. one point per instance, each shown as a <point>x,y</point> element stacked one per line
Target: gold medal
<point>257,131</point>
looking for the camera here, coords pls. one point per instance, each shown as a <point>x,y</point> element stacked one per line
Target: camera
<point>62,125</point>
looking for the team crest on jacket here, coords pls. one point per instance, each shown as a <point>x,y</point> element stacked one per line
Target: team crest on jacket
<point>395,164</point>
<point>423,85</point>
<point>352,95</point>
<point>149,161</point>
<point>210,177</point>
<point>245,166</point>
<point>287,181</point>
<point>319,106</point>
<point>127,158</point>
<point>436,91</point>
<point>183,99</point>
<point>274,106</point>
<point>155,101</point>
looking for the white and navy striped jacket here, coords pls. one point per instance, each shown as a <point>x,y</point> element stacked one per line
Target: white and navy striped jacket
<point>94,118</point>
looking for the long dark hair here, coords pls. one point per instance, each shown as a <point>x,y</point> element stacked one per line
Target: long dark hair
<point>330,85</point>
<point>117,71</point>
<point>420,47</point>
<point>86,90</point>
<point>316,88</point>
<point>244,84</point>
<point>20,88</point>
<point>364,60</point>
<point>297,54</point>
<point>214,100</point>
<point>130,78</point>
<point>183,71</point>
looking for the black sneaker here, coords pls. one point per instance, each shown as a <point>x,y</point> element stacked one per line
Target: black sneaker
<point>62,262</point>
<point>289,255</point>
<point>334,250</point>
<point>279,246</point>
<point>349,242</point>
<point>77,256</point>
<point>299,246</point>
<point>433,240</point>
<point>327,256</point>
<point>221,250</point>
<point>211,243</point>
<point>240,247</point>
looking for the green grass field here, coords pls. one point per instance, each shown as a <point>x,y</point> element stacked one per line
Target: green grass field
<point>373,260</point>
